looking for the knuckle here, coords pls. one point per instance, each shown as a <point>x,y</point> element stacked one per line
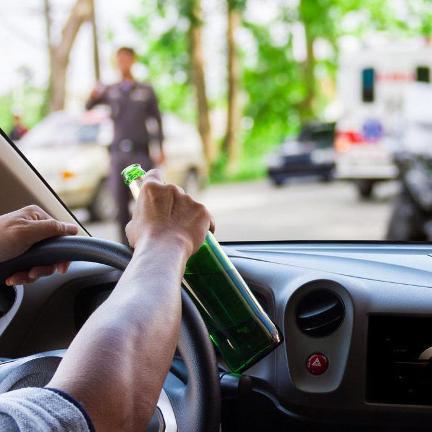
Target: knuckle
<point>151,187</point>
<point>201,209</point>
<point>180,190</point>
<point>55,225</point>
<point>31,209</point>
<point>172,189</point>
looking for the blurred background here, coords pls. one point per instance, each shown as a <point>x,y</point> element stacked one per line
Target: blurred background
<point>290,119</point>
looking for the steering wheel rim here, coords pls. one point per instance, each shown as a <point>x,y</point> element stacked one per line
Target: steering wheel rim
<point>196,404</point>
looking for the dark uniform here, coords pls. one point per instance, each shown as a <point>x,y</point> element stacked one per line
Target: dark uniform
<point>132,106</point>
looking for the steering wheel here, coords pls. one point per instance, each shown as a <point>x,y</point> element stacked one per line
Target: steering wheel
<point>185,405</point>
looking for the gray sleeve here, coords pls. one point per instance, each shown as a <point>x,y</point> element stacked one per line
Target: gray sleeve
<point>39,410</point>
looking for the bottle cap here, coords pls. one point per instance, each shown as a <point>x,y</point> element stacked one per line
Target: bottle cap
<point>131,173</point>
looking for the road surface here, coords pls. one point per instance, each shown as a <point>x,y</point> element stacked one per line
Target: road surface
<point>298,211</point>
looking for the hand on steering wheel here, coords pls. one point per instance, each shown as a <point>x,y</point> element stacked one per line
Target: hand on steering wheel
<point>195,404</point>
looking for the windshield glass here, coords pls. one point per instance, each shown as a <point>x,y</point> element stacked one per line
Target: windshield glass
<point>300,120</point>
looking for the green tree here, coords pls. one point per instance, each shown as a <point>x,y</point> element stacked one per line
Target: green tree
<point>232,144</point>
<point>273,84</point>
<point>174,57</point>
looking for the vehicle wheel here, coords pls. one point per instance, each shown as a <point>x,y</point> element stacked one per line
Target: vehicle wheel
<point>277,181</point>
<point>102,207</point>
<point>365,188</point>
<point>327,178</point>
<point>192,184</point>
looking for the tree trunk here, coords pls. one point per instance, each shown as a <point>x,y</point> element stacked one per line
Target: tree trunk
<point>198,76</point>
<point>307,105</point>
<point>95,41</point>
<point>232,142</point>
<point>48,35</point>
<point>80,13</point>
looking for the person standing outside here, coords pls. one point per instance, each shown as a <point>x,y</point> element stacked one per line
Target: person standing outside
<point>134,111</point>
<point>18,129</point>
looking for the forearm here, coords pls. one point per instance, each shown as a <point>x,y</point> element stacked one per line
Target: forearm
<point>122,349</point>
<point>91,103</point>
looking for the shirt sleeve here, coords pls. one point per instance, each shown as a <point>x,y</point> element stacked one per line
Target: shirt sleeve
<point>101,99</point>
<point>41,410</point>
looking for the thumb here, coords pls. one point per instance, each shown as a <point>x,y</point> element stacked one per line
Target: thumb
<point>47,228</point>
<point>154,175</point>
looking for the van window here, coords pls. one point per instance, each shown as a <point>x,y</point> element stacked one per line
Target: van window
<point>368,85</point>
<point>423,74</point>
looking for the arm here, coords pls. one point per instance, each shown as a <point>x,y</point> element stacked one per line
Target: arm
<point>97,97</point>
<point>129,342</point>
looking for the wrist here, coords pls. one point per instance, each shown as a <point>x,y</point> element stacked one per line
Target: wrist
<point>166,240</point>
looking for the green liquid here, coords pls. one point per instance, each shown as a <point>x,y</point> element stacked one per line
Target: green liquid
<point>237,324</point>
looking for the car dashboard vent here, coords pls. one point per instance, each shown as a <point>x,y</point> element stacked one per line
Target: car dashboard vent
<point>319,313</point>
<point>399,365</point>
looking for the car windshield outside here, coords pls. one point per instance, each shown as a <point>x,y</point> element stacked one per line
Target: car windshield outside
<point>297,120</point>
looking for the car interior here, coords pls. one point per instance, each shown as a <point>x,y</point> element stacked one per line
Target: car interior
<point>355,318</point>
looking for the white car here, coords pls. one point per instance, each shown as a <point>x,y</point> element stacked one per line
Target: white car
<point>72,153</point>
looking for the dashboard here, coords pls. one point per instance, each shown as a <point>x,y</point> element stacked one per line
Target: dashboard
<point>356,320</point>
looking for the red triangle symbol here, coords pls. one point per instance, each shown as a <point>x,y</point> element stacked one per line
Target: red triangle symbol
<point>316,363</point>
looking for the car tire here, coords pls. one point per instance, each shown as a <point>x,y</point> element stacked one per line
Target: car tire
<point>102,206</point>
<point>277,181</point>
<point>327,178</point>
<point>365,189</point>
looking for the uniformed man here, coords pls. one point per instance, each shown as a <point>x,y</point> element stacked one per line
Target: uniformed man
<point>134,110</point>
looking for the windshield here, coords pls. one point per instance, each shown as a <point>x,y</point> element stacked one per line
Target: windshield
<point>300,120</point>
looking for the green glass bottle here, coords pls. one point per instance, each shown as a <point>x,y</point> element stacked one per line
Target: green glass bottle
<point>237,324</point>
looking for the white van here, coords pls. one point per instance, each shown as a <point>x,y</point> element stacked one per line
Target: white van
<point>372,86</point>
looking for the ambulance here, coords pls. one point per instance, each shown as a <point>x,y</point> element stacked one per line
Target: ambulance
<point>373,83</point>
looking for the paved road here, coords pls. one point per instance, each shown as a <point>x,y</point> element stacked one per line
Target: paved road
<point>298,211</point>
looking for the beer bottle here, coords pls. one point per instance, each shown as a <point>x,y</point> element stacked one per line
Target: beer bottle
<point>238,326</point>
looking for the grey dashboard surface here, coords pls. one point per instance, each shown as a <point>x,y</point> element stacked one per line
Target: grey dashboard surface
<point>399,263</point>
<point>369,278</point>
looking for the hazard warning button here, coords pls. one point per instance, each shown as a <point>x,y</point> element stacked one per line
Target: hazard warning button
<point>317,364</point>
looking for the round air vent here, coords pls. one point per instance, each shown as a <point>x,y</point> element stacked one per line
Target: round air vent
<point>320,313</point>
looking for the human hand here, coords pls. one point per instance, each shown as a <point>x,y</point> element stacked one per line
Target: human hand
<point>165,211</point>
<point>97,91</point>
<point>23,228</point>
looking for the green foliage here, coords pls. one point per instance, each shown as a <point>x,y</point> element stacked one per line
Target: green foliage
<point>165,54</point>
<point>250,168</point>
<point>6,112</point>
<point>276,85</point>
<point>27,102</point>
<point>273,84</point>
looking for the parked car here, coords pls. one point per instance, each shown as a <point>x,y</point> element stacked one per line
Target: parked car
<point>72,153</point>
<point>310,154</point>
